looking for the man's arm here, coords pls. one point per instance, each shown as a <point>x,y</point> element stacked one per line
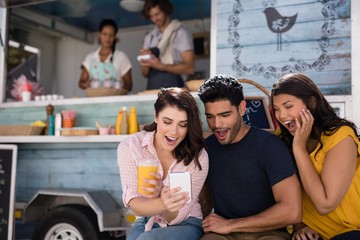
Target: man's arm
<point>286,211</point>
<point>145,68</point>
<point>206,201</point>
<point>187,66</point>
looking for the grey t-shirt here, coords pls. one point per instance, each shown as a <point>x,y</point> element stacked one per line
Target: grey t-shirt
<point>183,41</point>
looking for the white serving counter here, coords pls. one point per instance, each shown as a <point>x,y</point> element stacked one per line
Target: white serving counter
<point>80,101</point>
<point>63,139</point>
<point>86,100</point>
<point>89,111</point>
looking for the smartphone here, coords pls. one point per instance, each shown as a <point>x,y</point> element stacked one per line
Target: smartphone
<point>182,180</point>
<point>143,57</point>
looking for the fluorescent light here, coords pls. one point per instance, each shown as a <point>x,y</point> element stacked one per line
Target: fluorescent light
<point>132,5</point>
<point>14,44</point>
<point>25,47</point>
<point>31,49</point>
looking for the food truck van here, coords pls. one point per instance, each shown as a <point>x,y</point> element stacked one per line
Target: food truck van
<point>69,184</point>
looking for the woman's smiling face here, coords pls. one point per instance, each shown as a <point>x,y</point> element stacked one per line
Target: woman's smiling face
<point>172,127</point>
<point>286,109</point>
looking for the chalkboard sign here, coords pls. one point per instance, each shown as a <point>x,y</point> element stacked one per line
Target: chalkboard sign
<point>257,113</point>
<point>8,158</point>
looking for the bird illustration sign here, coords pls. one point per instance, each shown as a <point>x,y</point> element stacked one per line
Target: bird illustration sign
<point>278,24</point>
<point>264,39</point>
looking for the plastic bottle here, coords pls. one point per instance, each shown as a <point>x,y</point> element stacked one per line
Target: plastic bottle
<point>49,111</point>
<point>51,129</point>
<point>124,122</point>
<point>133,122</point>
<point>58,122</point>
<point>119,120</point>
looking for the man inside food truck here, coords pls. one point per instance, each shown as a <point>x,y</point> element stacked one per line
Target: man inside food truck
<point>167,56</point>
<point>252,180</point>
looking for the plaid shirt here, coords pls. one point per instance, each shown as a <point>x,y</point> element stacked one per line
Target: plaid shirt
<point>141,145</point>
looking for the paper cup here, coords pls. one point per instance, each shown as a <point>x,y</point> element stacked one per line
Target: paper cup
<point>104,131</point>
<point>26,96</point>
<point>68,118</point>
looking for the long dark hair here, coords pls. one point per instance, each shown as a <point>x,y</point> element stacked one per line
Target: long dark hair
<point>190,147</point>
<point>110,23</point>
<point>325,119</point>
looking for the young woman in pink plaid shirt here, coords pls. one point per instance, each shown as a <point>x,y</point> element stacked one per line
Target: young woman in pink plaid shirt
<point>174,139</point>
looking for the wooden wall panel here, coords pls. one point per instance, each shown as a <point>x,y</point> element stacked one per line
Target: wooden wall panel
<point>317,44</point>
<point>87,115</point>
<point>81,166</point>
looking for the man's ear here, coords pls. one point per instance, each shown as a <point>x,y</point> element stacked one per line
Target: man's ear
<point>242,107</point>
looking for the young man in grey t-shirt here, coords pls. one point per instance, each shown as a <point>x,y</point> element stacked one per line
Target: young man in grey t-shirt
<point>170,46</point>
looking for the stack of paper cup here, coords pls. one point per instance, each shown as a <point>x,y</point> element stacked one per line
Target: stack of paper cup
<point>68,118</point>
<point>26,92</point>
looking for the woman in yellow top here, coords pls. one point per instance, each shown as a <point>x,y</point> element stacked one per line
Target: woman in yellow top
<point>326,149</point>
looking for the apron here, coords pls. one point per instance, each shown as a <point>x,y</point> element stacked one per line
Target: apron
<point>158,79</point>
<point>102,74</point>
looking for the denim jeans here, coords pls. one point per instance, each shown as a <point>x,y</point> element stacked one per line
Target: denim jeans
<point>348,236</point>
<point>190,229</point>
<point>269,235</point>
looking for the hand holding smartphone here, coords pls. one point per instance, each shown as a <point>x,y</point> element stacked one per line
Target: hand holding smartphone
<point>182,180</point>
<point>144,57</point>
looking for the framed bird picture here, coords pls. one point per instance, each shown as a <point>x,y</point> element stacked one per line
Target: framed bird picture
<point>265,39</point>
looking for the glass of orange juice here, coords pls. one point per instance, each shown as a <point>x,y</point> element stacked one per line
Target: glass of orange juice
<point>145,168</point>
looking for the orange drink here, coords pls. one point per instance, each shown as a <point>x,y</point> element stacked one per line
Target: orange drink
<point>145,168</point>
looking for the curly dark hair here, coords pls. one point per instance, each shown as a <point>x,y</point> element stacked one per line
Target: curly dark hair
<point>325,119</point>
<point>190,148</point>
<point>221,87</point>
<point>165,6</point>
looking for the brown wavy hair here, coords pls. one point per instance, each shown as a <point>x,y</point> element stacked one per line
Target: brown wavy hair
<point>164,5</point>
<point>325,119</point>
<point>191,146</point>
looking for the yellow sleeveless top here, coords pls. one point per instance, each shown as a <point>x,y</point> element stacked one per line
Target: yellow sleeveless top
<point>346,217</point>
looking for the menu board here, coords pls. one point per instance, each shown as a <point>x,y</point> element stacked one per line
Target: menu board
<point>257,113</point>
<point>8,158</point>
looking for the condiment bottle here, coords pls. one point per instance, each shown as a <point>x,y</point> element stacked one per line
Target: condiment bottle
<point>49,112</point>
<point>51,129</point>
<point>118,122</point>
<point>124,122</point>
<point>58,124</point>
<point>133,122</point>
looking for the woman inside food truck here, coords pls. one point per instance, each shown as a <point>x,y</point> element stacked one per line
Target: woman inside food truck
<point>106,66</point>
